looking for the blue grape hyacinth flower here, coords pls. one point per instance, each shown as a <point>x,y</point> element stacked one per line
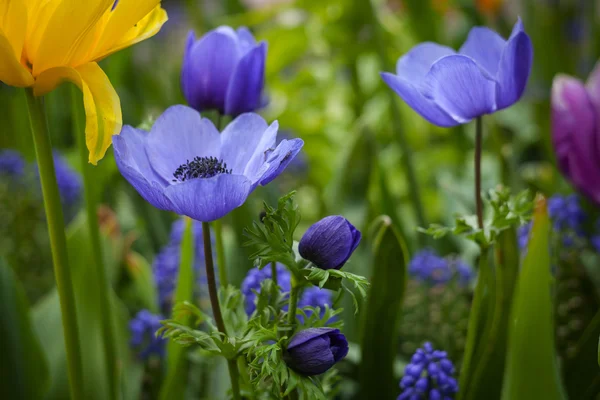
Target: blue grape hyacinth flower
<point>448,88</point>
<point>185,166</point>
<point>330,242</point>
<point>314,296</point>
<point>224,71</point>
<point>12,163</point>
<point>143,329</point>
<point>255,277</point>
<point>313,351</point>
<point>428,267</point>
<point>69,181</point>
<point>428,376</point>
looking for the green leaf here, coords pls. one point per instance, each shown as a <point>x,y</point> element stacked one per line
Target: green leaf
<point>383,313</point>
<point>24,368</point>
<point>532,367</point>
<point>175,381</point>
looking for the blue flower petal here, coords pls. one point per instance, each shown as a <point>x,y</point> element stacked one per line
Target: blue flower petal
<point>241,139</point>
<point>415,99</point>
<point>209,199</point>
<point>179,135</point>
<point>514,67</point>
<point>457,84</point>
<point>246,84</point>
<point>207,68</point>
<point>414,65</point>
<point>132,163</point>
<point>279,159</point>
<point>485,47</point>
<point>257,165</point>
<point>246,39</point>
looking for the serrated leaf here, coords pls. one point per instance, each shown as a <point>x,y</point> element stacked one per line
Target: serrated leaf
<point>382,316</point>
<point>532,366</point>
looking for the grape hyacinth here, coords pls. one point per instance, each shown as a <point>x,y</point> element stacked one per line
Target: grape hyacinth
<point>143,329</point>
<point>428,267</point>
<point>314,297</point>
<point>429,375</point>
<point>255,277</point>
<point>68,180</point>
<point>12,163</point>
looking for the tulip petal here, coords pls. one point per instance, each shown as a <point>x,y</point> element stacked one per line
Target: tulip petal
<point>130,161</point>
<point>514,68</point>
<point>458,86</point>
<point>209,199</point>
<point>247,82</point>
<point>207,72</point>
<point>195,137</point>
<point>415,99</point>
<point>593,88</point>
<point>414,65</point>
<point>240,140</point>
<point>574,129</point>
<point>485,47</point>
<point>13,25</point>
<point>279,159</point>
<point>101,102</point>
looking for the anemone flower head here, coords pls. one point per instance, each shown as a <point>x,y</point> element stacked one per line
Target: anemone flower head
<point>43,43</point>
<point>450,88</point>
<point>184,165</point>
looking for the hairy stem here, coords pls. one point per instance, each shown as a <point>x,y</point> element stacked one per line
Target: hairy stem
<point>478,202</point>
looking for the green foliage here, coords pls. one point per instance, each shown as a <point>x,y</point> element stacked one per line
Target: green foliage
<point>383,311</point>
<point>24,369</point>
<point>333,279</point>
<point>273,237</point>
<point>532,365</point>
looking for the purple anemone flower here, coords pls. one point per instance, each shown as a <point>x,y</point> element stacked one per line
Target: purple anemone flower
<point>224,71</point>
<point>576,131</point>
<point>448,88</point>
<point>330,242</point>
<point>314,350</point>
<point>184,165</point>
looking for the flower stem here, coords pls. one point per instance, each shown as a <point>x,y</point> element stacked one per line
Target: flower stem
<point>221,263</point>
<point>293,301</point>
<point>216,308</point>
<point>108,335</point>
<point>58,242</point>
<point>478,202</point>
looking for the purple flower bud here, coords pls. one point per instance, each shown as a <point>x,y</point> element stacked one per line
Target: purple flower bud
<point>315,350</point>
<point>224,70</point>
<point>575,131</point>
<point>330,242</point>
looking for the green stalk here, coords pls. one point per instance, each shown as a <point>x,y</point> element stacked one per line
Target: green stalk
<point>58,242</point>
<point>89,184</point>
<point>221,263</point>
<point>293,301</point>
<point>216,308</point>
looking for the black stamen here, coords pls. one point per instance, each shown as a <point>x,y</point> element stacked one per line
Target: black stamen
<point>200,167</point>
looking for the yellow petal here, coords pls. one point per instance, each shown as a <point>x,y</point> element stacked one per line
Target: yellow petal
<point>101,103</point>
<point>13,25</point>
<point>66,31</point>
<point>130,23</point>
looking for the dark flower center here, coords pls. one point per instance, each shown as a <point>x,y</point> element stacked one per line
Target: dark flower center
<point>200,167</point>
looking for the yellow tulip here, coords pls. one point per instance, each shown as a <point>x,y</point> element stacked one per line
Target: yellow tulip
<point>45,42</point>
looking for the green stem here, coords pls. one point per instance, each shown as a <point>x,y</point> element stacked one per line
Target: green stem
<point>58,242</point>
<point>478,202</point>
<point>216,308</point>
<point>293,301</point>
<point>221,263</point>
<point>108,335</point>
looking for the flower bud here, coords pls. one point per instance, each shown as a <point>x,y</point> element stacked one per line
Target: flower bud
<point>315,350</point>
<point>224,71</point>
<point>330,242</point>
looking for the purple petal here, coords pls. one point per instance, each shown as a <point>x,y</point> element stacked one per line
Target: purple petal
<point>514,68</point>
<point>246,39</point>
<point>307,334</point>
<point>485,47</point>
<point>415,99</point>
<point>208,66</point>
<point>593,88</point>
<point>241,139</point>
<point>313,357</point>
<point>414,65</point>
<point>209,199</point>
<point>279,159</point>
<point>458,86</point>
<point>256,165</point>
<point>246,86</point>
<point>179,135</point>
<point>574,127</point>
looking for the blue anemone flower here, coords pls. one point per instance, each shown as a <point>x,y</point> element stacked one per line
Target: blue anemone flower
<point>224,71</point>
<point>448,88</point>
<point>429,375</point>
<point>184,165</point>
